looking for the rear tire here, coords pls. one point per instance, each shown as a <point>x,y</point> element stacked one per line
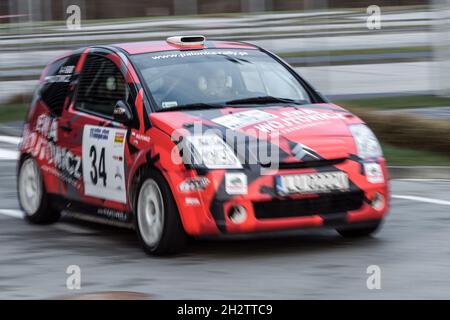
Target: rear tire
<point>33,198</point>
<point>359,232</point>
<point>158,224</point>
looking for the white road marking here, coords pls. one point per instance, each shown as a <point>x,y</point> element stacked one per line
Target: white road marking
<point>9,154</point>
<point>421,199</point>
<point>6,154</point>
<point>12,213</point>
<point>10,140</point>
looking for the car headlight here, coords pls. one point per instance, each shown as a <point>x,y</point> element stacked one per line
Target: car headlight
<point>212,152</point>
<point>366,142</point>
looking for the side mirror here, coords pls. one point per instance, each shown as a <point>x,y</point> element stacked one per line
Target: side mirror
<point>122,113</point>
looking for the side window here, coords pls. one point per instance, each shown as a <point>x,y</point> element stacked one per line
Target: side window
<point>100,86</point>
<point>56,83</point>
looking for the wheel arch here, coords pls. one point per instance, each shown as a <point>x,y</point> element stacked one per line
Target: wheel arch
<point>22,157</point>
<point>137,174</point>
<point>135,181</point>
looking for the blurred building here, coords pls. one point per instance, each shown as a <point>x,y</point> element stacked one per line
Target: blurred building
<point>37,10</point>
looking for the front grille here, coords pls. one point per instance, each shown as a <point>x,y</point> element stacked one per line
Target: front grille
<point>308,164</point>
<point>323,205</point>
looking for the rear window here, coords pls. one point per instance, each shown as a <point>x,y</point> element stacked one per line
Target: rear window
<point>56,83</point>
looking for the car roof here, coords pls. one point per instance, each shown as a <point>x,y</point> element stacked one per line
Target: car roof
<point>133,48</point>
<point>160,46</point>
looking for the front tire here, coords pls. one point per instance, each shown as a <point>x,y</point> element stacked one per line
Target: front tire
<point>157,220</point>
<point>33,198</point>
<point>360,232</point>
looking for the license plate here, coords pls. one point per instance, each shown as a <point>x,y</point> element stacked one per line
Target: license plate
<point>312,183</point>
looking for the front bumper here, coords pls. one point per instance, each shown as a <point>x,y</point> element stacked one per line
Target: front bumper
<point>207,212</point>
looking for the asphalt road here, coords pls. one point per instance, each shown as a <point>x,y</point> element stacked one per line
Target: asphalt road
<point>412,251</point>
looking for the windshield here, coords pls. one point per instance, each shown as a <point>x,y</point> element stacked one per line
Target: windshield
<point>216,76</point>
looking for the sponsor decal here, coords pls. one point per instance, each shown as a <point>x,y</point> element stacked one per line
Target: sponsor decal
<point>63,176</point>
<point>194,184</point>
<point>66,70</point>
<point>58,78</point>
<point>64,75</point>
<point>374,173</point>
<point>139,136</point>
<point>99,133</point>
<point>187,54</point>
<point>42,144</point>
<point>47,127</point>
<point>119,137</point>
<point>294,120</point>
<point>243,119</point>
<point>192,201</point>
<point>113,214</point>
<point>236,183</point>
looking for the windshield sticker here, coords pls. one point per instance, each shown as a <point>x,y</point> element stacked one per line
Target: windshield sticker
<point>243,119</point>
<point>200,53</point>
<point>169,104</point>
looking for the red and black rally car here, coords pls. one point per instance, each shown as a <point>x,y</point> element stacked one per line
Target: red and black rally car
<point>188,137</point>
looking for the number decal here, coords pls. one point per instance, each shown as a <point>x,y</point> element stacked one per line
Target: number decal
<point>93,155</point>
<point>101,166</point>
<point>103,163</point>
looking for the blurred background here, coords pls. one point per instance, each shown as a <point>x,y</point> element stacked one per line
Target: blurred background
<point>388,61</point>
<point>394,74</point>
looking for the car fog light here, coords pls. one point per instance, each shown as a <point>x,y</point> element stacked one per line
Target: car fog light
<point>377,201</point>
<point>237,214</point>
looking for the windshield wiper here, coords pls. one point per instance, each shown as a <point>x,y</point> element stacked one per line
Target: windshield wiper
<point>263,100</point>
<point>192,106</point>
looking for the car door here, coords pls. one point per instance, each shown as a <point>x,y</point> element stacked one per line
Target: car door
<point>91,132</point>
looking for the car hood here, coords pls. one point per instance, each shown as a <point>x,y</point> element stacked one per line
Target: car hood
<point>322,127</point>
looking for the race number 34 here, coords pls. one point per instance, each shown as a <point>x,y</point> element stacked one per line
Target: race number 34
<point>103,162</point>
<point>98,169</point>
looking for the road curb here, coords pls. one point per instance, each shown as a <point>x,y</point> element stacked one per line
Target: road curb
<point>419,172</point>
